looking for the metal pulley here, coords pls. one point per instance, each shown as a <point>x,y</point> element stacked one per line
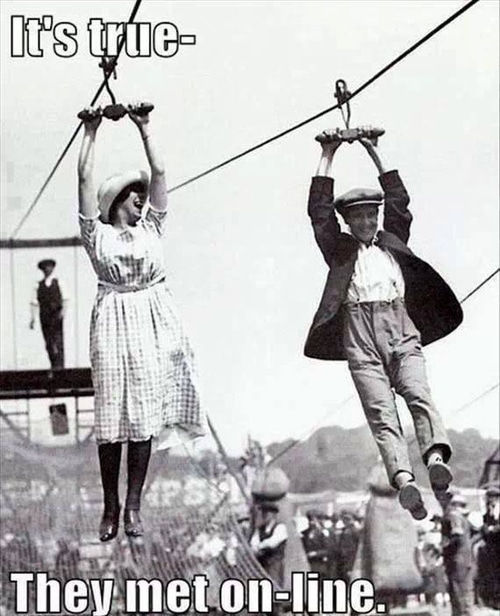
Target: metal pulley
<point>352,134</point>
<point>115,111</point>
<point>348,134</point>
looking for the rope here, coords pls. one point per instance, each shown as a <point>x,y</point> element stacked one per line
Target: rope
<point>76,131</point>
<point>360,89</point>
<point>375,77</point>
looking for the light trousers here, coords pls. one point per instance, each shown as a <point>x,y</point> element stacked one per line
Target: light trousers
<point>385,357</point>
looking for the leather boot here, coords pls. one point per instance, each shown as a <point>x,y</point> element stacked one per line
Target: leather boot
<point>109,462</point>
<point>132,523</point>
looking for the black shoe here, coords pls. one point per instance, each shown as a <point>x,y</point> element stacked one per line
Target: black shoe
<point>410,498</point>
<point>440,476</point>
<point>108,529</point>
<point>132,523</point>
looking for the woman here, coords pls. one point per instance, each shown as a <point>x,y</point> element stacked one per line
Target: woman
<point>142,363</point>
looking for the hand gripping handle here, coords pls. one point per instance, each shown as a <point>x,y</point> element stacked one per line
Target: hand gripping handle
<point>86,115</point>
<point>352,134</point>
<point>144,109</point>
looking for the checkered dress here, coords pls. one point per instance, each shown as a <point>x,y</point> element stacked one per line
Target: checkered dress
<point>142,362</point>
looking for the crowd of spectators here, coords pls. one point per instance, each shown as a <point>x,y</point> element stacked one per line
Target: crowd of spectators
<point>459,560</point>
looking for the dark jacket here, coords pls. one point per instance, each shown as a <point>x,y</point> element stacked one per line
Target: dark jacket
<point>430,302</point>
<point>272,559</point>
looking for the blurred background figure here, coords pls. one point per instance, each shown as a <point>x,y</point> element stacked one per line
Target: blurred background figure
<point>347,544</point>
<point>268,541</point>
<point>50,302</point>
<point>316,541</point>
<point>488,553</point>
<point>434,536</point>
<point>457,555</point>
<point>429,560</point>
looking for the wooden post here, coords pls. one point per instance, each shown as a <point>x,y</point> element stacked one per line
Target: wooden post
<point>222,450</point>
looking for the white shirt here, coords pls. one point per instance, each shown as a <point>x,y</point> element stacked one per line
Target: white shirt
<point>377,276</point>
<point>279,534</point>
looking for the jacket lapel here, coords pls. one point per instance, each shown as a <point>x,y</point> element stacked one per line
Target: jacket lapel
<point>391,242</point>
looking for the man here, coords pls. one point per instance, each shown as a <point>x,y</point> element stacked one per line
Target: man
<point>50,301</point>
<point>268,541</point>
<point>347,545</point>
<point>488,557</point>
<point>457,555</point>
<point>380,304</point>
<point>428,559</point>
<point>317,544</point>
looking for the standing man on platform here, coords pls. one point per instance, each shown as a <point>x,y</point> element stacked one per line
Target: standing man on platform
<point>50,301</point>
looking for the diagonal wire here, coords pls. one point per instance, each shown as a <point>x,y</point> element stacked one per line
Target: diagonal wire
<point>291,445</point>
<point>464,407</point>
<point>358,90</point>
<point>76,131</point>
<point>377,75</point>
<point>311,431</point>
<point>476,399</point>
<point>481,284</point>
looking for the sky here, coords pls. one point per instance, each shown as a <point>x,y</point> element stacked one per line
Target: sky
<point>242,261</point>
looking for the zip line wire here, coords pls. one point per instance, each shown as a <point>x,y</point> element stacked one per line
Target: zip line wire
<point>77,130</point>
<point>283,133</point>
<point>352,397</point>
<point>476,399</point>
<point>291,129</point>
<point>295,127</point>
<point>346,400</point>
<point>311,431</point>
<point>357,91</point>
<point>464,407</point>
<point>481,284</point>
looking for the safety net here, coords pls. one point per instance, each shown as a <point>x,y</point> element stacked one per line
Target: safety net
<point>50,510</point>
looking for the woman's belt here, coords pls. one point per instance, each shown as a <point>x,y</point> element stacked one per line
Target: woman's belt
<point>121,288</point>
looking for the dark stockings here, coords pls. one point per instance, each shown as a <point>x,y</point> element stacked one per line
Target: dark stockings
<point>138,455</point>
<point>109,461</point>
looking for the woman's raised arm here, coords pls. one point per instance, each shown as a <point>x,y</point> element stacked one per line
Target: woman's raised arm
<point>158,186</point>
<point>86,196</point>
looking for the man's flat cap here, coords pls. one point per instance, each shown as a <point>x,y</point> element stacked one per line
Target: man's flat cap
<point>358,196</point>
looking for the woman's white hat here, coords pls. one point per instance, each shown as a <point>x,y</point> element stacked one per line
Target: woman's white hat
<point>112,187</point>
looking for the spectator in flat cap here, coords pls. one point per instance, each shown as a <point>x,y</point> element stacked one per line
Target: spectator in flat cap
<point>347,545</point>
<point>317,542</point>
<point>268,541</point>
<point>488,556</point>
<point>457,555</point>
<point>380,304</point>
<point>49,302</point>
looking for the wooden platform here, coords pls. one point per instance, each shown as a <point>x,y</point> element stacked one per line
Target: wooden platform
<point>27,384</point>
